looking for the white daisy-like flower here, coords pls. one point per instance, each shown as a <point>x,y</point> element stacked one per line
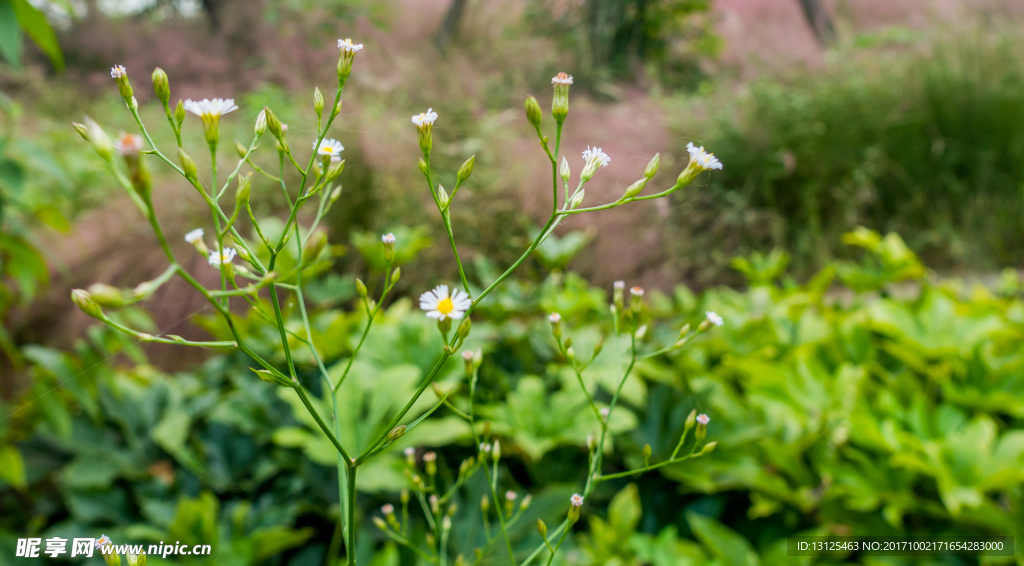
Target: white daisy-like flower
<point>103,541</point>
<point>713,318</point>
<point>467,356</point>
<point>410,451</point>
<point>441,304</point>
<point>329,147</point>
<point>227,255</point>
<point>701,158</point>
<point>348,46</point>
<point>636,291</point>
<point>207,108</point>
<point>430,457</point>
<point>388,238</point>
<point>425,118</point>
<point>194,236</point>
<point>554,318</point>
<point>576,500</point>
<point>562,79</point>
<point>619,285</point>
<point>117,72</point>
<point>128,145</point>
<point>511,495</point>
<point>596,153</point>
<point>703,419</point>
<point>387,508</point>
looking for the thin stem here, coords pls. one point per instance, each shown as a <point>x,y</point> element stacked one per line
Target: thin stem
<point>350,544</point>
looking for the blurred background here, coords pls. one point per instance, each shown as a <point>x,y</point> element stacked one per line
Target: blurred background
<point>861,241</point>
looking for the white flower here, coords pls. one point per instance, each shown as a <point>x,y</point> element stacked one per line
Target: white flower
<point>116,72</point>
<point>103,541</point>
<point>703,419</point>
<point>636,291</point>
<point>596,153</point>
<point>701,158</point>
<point>330,147</point>
<point>619,285</point>
<point>224,256</point>
<point>348,46</point>
<point>430,457</point>
<point>387,508</point>
<point>388,238</point>
<point>410,451</point>
<point>576,500</point>
<point>467,356</point>
<point>554,318</point>
<point>207,108</point>
<point>128,145</point>
<point>713,318</point>
<point>440,304</point>
<point>425,119</point>
<point>562,79</point>
<point>194,236</point>
<point>484,447</point>
<point>605,411</point>
<point>511,495</point>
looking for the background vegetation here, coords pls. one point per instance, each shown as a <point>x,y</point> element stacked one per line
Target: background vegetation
<point>852,391</point>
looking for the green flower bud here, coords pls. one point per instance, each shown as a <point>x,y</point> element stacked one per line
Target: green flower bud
<point>334,170</point>
<point>360,288</point>
<point>99,140</point>
<point>82,131</point>
<point>396,433</point>
<point>423,166</point>
<point>647,454</point>
<point>496,451</point>
<point>395,275</point>
<point>241,149</point>
<point>556,324</point>
<point>188,165</point>
<point>318,102</point>
<point>464,328</point>
<point>243,191</point>
<point>380,523</point>
<point>564,169</point>
<point>442,196</point>
<point>107,296</point>
<point>533,113</point>
<point>542,528</point>
<point>466,170</point>
<point>389,246</point>
<point>261,123</point>
<point>634,189</point>
<point>652,167</point>
<point>485,504</point>
<point>179,113</point>
<point>136,559</point>
<point>526,502</point>
<point>708,448</point>
<point>83,299</point>
<point>702,427</point>
<point>560,102</point>
<point>314,245</point>
<point>120,76</point>
<point>161,86</point>
<point>272,122</point>
<point>273,377</point>
<point>598,346</point>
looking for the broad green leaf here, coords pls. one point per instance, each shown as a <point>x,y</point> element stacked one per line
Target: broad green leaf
<point>35,25</point>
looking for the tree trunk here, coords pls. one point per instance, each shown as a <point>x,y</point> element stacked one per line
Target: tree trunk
<point>819,20</point>
<point>450,26</point>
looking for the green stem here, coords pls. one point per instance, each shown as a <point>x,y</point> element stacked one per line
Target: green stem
<point>350,543</point>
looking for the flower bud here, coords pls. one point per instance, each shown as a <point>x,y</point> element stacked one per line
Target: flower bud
<point>526,502</point>
<point>560,102</point>
<point>161,86</point>
<point>464,328</point>
<point>107,296</point>
<point>430,462</point>
<point>404,496</point>
<point>634,189</point>
<point>647,454</point>
<point>556,324</point>
<point>485,505</point>
<point>273,377</point>
<point>179,113</point>
<point>120,76</point>
<point>389,246</point>
<point>442,197</point>
<point>318,102</point>
<point>466,170</point>
<point>652,166</point>
<point>575,502</point>
<point>598,346</point>
<point>346,55</point>
<point>99,140</point>
<point>570,354</point>
<point>467,362</point>
<point>314,245</point>
<point>577,198</point>
<point>243,191</point>
<point>188,165</point>
<point>80,128</point>
<point>423,166</point>
<point>702,427</point>
<point>261,123</point>
<point>360,288</point>
<point>395,275</point>
<point>691,420</point>
<point>380,523</point>
<point>564,170</point>
<point>542,528</point>
<point>334,170</point>
<point>636,296</point>
<point>533,113</point>
<point>83,299</point>
<point>708,448</point>
<point>335,194</point>
<point>496,451</point>
<point>241,149</point>
<point>618,289</point>
<point>136,559</point>
<point>273,123</point>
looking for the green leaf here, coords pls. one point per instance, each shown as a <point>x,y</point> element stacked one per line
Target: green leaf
<point>10,35</point>
<point>35,25</point>
<point>724,543</point>
<point>274,540</point>
<point>12,467</point>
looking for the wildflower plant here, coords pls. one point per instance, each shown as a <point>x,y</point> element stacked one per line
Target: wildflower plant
<point>253,280</point>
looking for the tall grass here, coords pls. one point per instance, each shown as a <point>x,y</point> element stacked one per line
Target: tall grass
<point>930,145</point>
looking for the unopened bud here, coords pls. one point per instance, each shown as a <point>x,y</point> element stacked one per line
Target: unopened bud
<point>80,128</point>
<point>564,169</point>
<point>576,199</point>
<point>684,330</point>
<point>380,523</point>
<point>273,377</point>
<point>467,362</point>
<point>100,142</point>
<point>634,189</point>
<point>83,299</point>
<point>652,166</point>
<point>542,528</point>
<point>556,324</point>
<point>526,502</point>
<point>107,296</point>
<point>360,288</point>
<point>708,448</point>
<point>423,166</point>
<point>396,433</point>
<point>598,346</point>
<point>314,245</point>
<point>334,170</point>
<point>389,246</point>
<point>533,112</point>
<point>318,102</point>
<point>702,427</point>
<point>273,123</point>
<point>442,196</point>
<point>647,454</point>
<point>244,190</point>
<point>161,86</point>
<point>179,113</point>
<point>261,123</point>
<point>241,149</point>
<point>466,170</point>
<point>335,194</point>
<point>464,328</point>
<point>485,504</point>
<point>188,165</point>
<point>395,275</point>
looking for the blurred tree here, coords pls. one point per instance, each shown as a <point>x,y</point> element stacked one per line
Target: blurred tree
<point>819,20</point>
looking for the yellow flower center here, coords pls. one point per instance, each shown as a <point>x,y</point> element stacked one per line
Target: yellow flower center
<point>445,306</point>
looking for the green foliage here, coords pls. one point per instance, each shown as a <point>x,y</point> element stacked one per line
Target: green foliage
<point>18,17</point>
<point>930,146</point>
